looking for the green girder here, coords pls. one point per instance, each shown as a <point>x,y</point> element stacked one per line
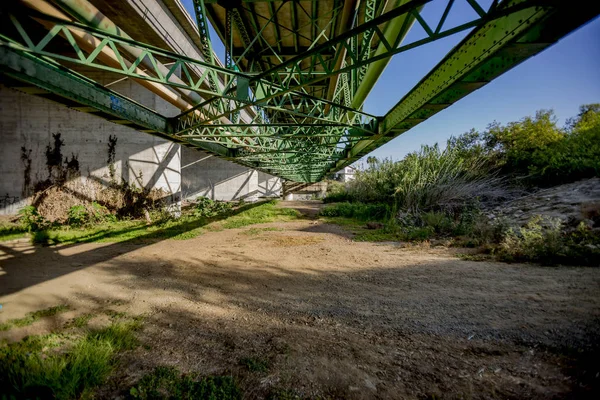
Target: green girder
<point>271,117</point>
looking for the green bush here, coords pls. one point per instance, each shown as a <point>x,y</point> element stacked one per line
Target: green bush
<point>360,211</point>
<point>78,216</point>
<point>338,197</point>
<point>545,240</point>
<point>31,219</point>
<point>535,150</point>
<point>575,157</point>
<point>100,213</point>
<point>206,207</point>
<point>337,193</point>
<point>425,180</point>
<point>439,222</point>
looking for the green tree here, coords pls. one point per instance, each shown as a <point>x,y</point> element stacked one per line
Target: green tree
<point>516,142</point>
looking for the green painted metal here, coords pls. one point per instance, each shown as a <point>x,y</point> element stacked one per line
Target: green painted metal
<point>269,108</point>
<point>80,90</point>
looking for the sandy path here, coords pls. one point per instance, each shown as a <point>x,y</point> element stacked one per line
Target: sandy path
<point>335,317</point>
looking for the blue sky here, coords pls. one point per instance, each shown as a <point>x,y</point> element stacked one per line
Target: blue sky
<point>561,78</point>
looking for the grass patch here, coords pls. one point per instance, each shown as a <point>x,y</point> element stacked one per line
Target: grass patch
<point>188,226</point>
<point>389,232</point>
<point>474,257</point>
<point>255,364</point>
<point>267,212</point>
<point>60,366</point>
<point>80,321</point>
<point>168,383</point>
<point>32,317</point>
<point>258,231</point>
<point>11,231</point>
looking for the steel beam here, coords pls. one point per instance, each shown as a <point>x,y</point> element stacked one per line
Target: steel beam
<point>486,53</point>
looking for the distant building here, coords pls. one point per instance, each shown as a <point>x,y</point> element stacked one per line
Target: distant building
<point>345,175</point>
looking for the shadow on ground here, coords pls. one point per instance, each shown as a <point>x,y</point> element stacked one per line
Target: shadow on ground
<point>332,318</point>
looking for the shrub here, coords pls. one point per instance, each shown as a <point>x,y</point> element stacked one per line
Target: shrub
<point>426,180</point>
<point>337,193</point>
<point>32,220</point>
<point>517,141</point>
<point>438,221</point>
<point>575,157</point>
<point>359,211</point>
<point>535,150</point>
<point>338,197</point>
<point>100,213</point>
<point>544,240</point>
<point>206,207</point>
<point>94,213</point>
<point>78,216</point>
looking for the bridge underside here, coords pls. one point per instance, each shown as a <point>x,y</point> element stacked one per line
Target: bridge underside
<point>288,97</point>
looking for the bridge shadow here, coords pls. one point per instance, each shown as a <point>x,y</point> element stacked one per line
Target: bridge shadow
<point>14,277</point>
<point>315,321</point>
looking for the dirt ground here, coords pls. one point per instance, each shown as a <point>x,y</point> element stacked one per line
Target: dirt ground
<point>332,317</point>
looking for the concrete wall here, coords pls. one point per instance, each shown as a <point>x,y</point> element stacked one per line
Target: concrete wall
<point>27,125</point>
<point>210,176</point>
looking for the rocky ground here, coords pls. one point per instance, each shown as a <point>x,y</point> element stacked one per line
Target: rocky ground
<point>570,203</point>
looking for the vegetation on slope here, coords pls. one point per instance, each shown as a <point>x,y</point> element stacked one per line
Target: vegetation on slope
<point>205,215</point>
<point>442,193</point>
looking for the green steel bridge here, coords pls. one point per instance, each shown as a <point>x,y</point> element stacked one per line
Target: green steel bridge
<point>288,97</point>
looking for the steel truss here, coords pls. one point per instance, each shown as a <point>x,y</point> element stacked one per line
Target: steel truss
<point>268,116</point>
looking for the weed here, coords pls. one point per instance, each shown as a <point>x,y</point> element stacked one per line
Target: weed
<point>258,231</point>
<point>338,197</point>
<point>80,321</point>
<point>360,211</point>
<point>32,317</point>
<point>540,240</point>
<point>119,334</point>
<point>54,367</point>
<point>10,231</point>
<point>439,222</point>
<point>255,364</point>
<point>266,212</point>
<point>474,257</point>
<point>168,383</point>
<point>115,314</point>
<point>545,241</point>
<point>41,237</point>
<point>206,207</point>
<point>31,219</point>
<point>186,227</point>
<point>78,216</point>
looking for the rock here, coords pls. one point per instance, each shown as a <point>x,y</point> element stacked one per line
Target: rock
<point>370,385</point>
<point>374,225</point>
